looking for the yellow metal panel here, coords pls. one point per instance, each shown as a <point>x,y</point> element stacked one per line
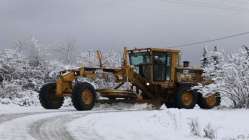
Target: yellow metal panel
<point>59,87</point>
<point>165,50</point>
<point>68,76</point>
<point>173,66</point>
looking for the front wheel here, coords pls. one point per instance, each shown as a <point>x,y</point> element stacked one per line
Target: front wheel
<point>48,98</point>
<point>185,98</point>
<point>83,96</point>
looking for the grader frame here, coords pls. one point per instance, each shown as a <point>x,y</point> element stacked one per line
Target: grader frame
<point>155,76</point>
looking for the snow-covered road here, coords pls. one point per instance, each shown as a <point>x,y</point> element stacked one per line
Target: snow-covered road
<point>49,125</point>
<point>35,123</point>
<point>53,128</point>
<point>115,124</point>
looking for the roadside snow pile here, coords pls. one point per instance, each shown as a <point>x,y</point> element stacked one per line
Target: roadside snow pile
<point>122,106</point>
<point>170,124</point>
<point>14,109</point>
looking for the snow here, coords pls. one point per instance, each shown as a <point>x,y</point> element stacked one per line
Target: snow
<point>229,73</point>
<point>25,68</point>
<point>18,128</point>
<point>13,108</point>
<point>162,124</point>
<point>125,122</point>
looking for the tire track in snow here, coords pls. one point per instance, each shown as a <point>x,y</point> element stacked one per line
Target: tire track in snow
<point>41,125</point>
<point>12,116</point>
<point>53,128</point>
<point>17,126</point>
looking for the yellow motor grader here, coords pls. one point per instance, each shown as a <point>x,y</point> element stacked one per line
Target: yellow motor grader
<point>154,76</point>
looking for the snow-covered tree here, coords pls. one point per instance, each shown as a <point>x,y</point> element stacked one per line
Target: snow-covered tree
<point>65,52</point>
<point>111,59</point>
<point>14,69</point>
<point>204,60</point>
<point>23,70</point>
<point>229,74</point>
<point>32,49</point>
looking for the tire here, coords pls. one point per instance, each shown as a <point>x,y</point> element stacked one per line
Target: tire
<point>170,103</point>
<point>205,103</point>
<point>185,98</point>
<point>83,96</point>
<point>47,97</point>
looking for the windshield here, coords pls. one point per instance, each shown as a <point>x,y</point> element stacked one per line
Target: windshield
<point>139,58</point>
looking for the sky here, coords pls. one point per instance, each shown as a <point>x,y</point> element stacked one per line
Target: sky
<point>113,24</point>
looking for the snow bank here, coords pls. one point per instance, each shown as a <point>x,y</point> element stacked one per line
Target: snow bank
<point>170,124</point>
<point>13,108</point>
<point>121,106</point>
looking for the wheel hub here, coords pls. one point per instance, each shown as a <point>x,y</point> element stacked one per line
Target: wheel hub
<point>211,100</point>
<point>187,98</point>
<point>87,96</point>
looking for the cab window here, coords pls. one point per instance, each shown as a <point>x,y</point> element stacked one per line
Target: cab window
<point>161,66</point>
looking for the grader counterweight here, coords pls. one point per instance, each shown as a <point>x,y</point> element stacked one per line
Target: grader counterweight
<point>154,75</point>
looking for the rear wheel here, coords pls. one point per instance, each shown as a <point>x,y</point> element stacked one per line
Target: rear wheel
<point>83,96</point>
<point>210,101</point>
<point>48,98</point>
<point>185,98</point>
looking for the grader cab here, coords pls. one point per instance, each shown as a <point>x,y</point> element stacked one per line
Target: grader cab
<point>154,76</point>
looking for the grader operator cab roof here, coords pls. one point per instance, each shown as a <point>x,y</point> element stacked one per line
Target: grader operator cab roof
<point>155,49</point>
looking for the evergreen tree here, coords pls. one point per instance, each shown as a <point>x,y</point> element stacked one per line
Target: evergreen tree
<point>204,60</point>
<point>230,76</point>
